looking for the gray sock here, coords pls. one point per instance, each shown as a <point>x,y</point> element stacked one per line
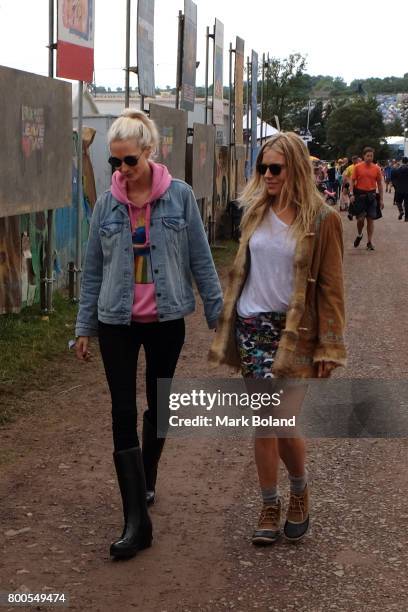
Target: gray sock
<point>298,483</point>
<point>270,495</point>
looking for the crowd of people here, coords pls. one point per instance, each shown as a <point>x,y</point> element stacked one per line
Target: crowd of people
<point>358,185</point>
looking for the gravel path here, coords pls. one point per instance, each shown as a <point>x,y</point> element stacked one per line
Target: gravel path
<point>60,506</point>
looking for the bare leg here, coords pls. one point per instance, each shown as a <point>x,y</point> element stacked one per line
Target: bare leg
<point>292,451</point>
<point>360,226</point>
<point>267,461</point>
<point>370,229</point>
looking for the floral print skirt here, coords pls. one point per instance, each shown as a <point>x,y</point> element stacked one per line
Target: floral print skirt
<point>258,340</point>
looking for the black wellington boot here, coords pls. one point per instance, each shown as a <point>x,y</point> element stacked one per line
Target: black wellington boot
<point>152,450</point>
<point>137,533</point>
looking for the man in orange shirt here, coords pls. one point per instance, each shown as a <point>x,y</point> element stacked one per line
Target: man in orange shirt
<point>366,178</point>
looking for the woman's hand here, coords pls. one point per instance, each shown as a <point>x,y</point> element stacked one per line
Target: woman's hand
<point>325,368</point>
<point>81,348</point>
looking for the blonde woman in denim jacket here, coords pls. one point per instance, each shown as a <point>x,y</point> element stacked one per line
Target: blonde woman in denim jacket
<point>146,245</point>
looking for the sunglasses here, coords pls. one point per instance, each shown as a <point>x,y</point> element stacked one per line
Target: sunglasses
<point>274,169</point>
<point>129,160</point>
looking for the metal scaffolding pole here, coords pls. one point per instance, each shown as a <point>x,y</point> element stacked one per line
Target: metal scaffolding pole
<point>262,96</point>
<point>127,69</point>
<point>207,62</point>
<point>46,289</point>
<point>51,39</point>
<point>180,51</point>
<point>80,194</point>
<point>231,116</point>
<point>207,52</point>
<point>247,109</point>
<point>267,91</point>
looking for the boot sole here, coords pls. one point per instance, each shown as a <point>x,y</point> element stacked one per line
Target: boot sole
<point>289,539</point>
<point>130,552</point>
<point>260,541</point>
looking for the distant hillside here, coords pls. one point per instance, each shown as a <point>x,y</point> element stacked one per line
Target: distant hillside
<point>319,86</point>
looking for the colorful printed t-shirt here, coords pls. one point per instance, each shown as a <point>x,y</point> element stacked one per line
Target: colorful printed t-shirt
<point>144,307</point>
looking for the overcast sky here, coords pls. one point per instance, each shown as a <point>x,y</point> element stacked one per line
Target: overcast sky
<point>344,38</point>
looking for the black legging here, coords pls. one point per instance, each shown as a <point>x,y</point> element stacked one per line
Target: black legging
<point>120,345</point>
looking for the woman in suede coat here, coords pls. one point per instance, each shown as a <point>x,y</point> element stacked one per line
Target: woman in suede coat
<point>284,310</point>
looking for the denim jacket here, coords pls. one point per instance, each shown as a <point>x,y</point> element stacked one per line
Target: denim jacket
<point>179,253</point>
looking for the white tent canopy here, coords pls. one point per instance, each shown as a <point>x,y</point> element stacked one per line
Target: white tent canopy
<point>267,131</point>
<point>395,140</point>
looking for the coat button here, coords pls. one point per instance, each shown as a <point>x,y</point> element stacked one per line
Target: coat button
<point>158,294</point>
<point>161,316</point>
<point>156,271</point>
<point>153,246</point>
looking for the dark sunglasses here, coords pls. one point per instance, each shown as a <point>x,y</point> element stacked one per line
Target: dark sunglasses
<point>129,160</point>
<point>274,169</point>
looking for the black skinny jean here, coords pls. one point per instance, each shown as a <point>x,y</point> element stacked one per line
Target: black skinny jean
<point>120,345</point>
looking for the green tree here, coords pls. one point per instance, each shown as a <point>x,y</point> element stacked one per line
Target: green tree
<point>394,128</point>
<point>286,89</point>
<point>320,111</point>
<point>327,87</point>
<point>355,125</point>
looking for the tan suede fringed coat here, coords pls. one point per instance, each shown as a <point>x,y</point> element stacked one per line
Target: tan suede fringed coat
<point>315,318</point>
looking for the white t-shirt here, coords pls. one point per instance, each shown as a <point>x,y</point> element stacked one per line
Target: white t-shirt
<point>269,285</point>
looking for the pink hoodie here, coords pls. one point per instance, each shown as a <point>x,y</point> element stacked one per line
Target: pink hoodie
<point>144,309</point>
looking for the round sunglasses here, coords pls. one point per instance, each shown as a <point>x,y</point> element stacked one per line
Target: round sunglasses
<point>129,160</point>
<point>274,169</point>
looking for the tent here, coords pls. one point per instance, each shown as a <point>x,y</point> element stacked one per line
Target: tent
<point>267,132</point>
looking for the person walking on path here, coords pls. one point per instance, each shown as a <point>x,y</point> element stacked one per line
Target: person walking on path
<point>395,164</point>
<point>146,243</point>
<point>366,179</point>
<point>345,184</point>
<point>400,182</point>
<point>284,308</point>
<point>348,173</point>
<point>331,177</point>
<point>387,177</point>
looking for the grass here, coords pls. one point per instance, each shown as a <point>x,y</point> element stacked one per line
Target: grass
<point>224,253</point>
<point>28,342</point>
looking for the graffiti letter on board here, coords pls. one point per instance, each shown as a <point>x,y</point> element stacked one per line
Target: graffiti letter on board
<point>33,130</point>
<point>167,142</point>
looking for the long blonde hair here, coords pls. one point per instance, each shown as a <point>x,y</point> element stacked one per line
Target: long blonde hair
<point>299,189</point>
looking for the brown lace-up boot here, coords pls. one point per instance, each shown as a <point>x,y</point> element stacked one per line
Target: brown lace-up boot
<point>297,518</point>
<point>268,530</point>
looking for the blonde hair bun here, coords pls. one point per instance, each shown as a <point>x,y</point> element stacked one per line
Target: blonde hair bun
<point>135,124</point>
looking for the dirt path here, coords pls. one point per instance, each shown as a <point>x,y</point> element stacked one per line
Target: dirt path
<point>60,506</point>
